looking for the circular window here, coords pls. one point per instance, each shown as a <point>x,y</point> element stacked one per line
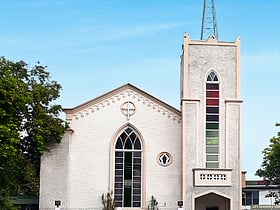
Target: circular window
<point>128,109</point>
<point>164,159</point>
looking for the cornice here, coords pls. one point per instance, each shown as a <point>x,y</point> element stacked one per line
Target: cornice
<point>239,101</point>
<point>126,91</point>
<point>210,41</point>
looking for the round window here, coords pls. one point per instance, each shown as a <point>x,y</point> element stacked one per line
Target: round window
<point>164,159</point>
<point>128,109</point>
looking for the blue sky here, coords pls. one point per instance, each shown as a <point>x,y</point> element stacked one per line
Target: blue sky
<point>94,46</point>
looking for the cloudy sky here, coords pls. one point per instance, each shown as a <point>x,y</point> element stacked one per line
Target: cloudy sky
<point>94,46</point>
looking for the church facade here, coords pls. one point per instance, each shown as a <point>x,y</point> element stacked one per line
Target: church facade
<point>136,146</point>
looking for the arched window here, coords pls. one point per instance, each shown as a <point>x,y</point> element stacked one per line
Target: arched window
<point>128,169</point>
<point>212,120</point>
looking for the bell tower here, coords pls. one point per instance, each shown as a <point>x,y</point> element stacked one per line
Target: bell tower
<point>211,121</point>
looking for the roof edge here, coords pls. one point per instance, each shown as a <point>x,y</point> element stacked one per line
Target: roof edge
<point>116,91</point>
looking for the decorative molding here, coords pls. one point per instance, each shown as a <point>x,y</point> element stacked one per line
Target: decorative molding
<point>212,177</point>
<point>190,100</point>
<point>70,130</point>
<point>233,101</point>
<point>128,109</point>
<point>129,93</point>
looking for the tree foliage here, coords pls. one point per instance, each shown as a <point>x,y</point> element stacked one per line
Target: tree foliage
<point>270,168</point>
<point>275,195</point>
<point>29,120</point>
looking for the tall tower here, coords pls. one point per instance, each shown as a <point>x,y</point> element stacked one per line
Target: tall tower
<point>209,22</point>
<point>211,124</point>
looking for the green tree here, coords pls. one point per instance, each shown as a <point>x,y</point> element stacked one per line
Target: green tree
<point>29,120</point>
<point>270,168</point>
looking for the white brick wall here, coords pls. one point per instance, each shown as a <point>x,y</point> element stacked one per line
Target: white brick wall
<point>90,171</point>
<point>199,58</point>
<point>53,174</point>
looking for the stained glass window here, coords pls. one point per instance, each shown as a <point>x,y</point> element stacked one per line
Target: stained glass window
<point>128,169</point>
<point>212,120</point>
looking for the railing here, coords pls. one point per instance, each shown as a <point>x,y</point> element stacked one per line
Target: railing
<point>212,177</point>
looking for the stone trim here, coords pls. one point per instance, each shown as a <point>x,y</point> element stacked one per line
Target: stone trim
<point>83,111</point>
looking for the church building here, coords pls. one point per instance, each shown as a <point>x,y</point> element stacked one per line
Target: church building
<point>136,146</point>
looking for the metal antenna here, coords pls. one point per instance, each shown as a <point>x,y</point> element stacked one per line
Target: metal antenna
<point>209,22</point>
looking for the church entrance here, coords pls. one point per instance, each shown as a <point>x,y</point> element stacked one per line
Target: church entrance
<point>212,201</point>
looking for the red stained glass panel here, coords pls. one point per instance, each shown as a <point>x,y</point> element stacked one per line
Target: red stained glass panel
<point>212,94</point>
<point>212,102</point>
<point>212,86</point>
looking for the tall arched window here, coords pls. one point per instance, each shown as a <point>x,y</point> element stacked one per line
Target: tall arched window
<point>128,169</point>
<point>212,121</point>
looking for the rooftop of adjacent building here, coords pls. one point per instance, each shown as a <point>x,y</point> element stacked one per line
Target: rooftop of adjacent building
<point>257,184</point>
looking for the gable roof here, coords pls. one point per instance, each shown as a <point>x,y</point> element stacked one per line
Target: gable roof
<point>111,96</point>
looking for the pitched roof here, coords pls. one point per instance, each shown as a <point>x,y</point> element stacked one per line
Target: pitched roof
<point>112,95</point>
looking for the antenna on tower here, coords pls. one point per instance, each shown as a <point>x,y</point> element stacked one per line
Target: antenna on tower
<point>209,22</point>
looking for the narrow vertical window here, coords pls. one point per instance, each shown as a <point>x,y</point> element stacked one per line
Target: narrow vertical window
<point>212,121</point>
<point>128,169</point>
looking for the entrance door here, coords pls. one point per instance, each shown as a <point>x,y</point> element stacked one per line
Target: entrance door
<point>212,201</point>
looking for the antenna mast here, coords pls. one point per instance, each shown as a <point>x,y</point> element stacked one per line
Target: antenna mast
<point>209,22</point>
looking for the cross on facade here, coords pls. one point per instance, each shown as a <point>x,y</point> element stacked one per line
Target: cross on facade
<point>128,109</point>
